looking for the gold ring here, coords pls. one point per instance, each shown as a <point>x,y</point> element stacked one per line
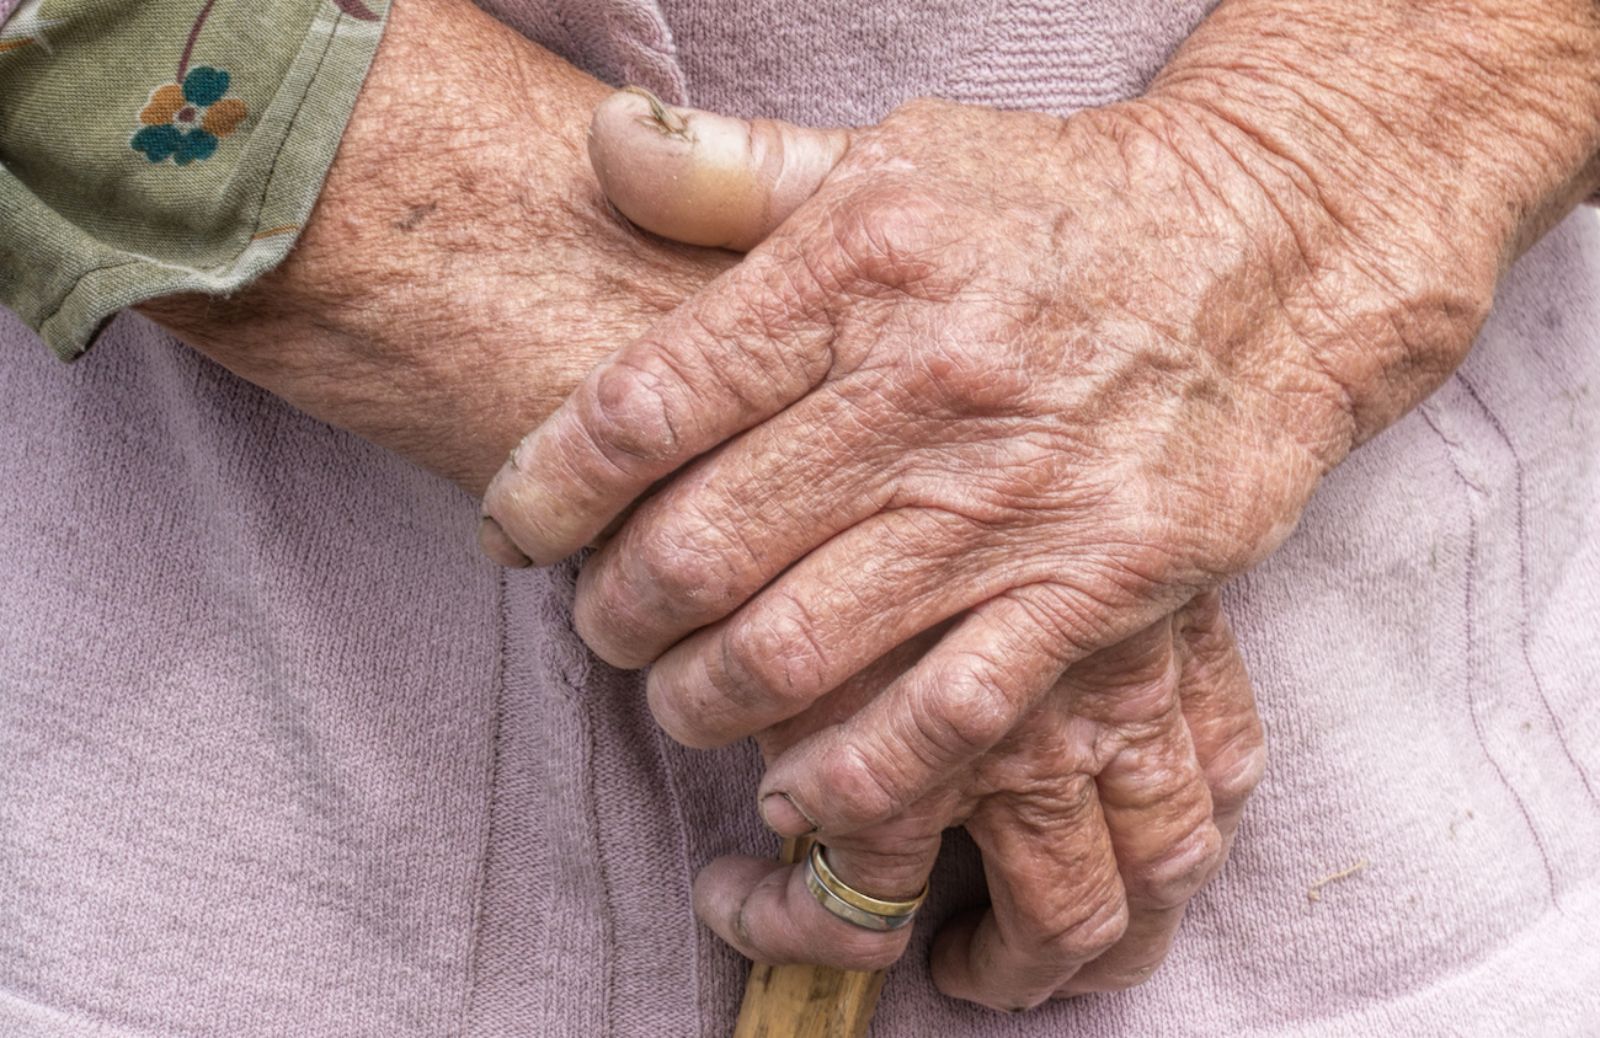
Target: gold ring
<point>850,904</point>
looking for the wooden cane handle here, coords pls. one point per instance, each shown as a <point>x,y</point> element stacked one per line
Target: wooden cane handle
<point>807,1001</point>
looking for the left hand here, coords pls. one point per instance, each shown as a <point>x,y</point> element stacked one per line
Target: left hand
<point>1047,380</point>
<point>1098,818</point>
<point>1055,378</point>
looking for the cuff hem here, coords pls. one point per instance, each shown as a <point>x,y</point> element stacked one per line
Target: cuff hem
<point>297,139</point>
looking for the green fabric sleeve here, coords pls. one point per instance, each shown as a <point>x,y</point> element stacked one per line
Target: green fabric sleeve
<point>149,147</point>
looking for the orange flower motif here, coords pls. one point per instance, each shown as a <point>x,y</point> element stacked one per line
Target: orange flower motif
<point>164,105</point>
<point>224,117</point>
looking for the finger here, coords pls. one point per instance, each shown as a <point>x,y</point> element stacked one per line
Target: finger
<point>1157,808</point>
<point>843,702</point>
<point>724,528</point>
<point>1222,734</point>
<point>842,606</point>
<point>493,542</point>
<point>702,178</point>
<point>961,699</point>
<point>765,911</point>
<point>755,341</point>
<point>730,524</point>
<point>727,526</point>
<point>734,355</point>
<point>1056,900</point>
<point>1219,708</point>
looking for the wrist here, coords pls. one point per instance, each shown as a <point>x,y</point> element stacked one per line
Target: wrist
<point>1409,152</point>
<point>461,271</point>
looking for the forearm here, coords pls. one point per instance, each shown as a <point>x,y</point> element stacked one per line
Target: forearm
<point>1414,150</point>
<point>461,271</point>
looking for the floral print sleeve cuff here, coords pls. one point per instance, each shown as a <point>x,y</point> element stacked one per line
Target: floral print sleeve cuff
<point>149,147</point>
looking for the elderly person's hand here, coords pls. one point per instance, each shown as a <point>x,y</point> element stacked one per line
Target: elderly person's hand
<point>1098,820</point>
<point>444,298</point>
<point>1048,379</point>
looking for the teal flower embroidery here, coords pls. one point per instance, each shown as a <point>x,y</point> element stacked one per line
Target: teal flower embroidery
<point>186,121</point>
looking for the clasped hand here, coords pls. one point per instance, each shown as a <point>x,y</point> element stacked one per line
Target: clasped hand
<point>931,494</point>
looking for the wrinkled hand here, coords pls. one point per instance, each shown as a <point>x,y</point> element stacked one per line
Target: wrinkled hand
<point>1054,378</point>
<point>1031,384</point>
<point>442,300</point>
<point>1099,823</point>
<point>1044,381</point>
<point>1098,819</point>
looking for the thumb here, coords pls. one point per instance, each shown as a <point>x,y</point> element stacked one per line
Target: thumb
<point>706,179</point>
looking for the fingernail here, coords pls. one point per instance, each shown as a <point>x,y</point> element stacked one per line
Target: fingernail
<point>495,544</point>
<point>783,817</point>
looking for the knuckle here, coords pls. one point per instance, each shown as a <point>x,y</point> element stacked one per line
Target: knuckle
<point>968,707</point>
<point>1172,878</point>
<point>672,569</point>
<point>629,417</point>
<point>889,231</point>
<point>1236,772</point>
<point>1089,936</point>
<point>769,654</point>
<point>857,790</point>
<point>972,377</point>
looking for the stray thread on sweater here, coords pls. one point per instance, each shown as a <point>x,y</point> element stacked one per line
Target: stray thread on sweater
<point>1314,891</point>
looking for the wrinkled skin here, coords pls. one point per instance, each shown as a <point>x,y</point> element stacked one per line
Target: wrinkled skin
<point>1061,397</point>
<point>1040,386</point>
<point>975,436</point>
<point>1120,793</point>
<point>1099,818</point>
<point>1063,421</point>
<point>446,297</point>
<point>462,270</point>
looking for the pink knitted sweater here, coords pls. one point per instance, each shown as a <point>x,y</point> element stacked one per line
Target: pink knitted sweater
<point>279,755</point>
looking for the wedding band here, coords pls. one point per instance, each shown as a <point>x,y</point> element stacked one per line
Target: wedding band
<point>850,904</point>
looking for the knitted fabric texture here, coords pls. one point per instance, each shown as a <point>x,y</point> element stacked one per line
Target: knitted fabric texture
<point>281,755</point>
